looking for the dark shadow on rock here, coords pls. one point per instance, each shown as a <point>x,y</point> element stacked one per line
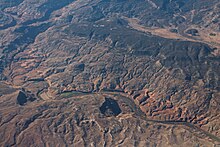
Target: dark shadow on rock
<point>110,107</point>
<point>21,98</point>
<point>24,97</point>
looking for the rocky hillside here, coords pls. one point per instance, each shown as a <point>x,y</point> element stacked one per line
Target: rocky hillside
<point>137,73</point>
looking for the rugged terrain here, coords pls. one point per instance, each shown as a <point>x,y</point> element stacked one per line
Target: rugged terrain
<point>109,73</point>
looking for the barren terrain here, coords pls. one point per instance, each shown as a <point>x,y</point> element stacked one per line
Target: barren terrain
<point>109,73</point>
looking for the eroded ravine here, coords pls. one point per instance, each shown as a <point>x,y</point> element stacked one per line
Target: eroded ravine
<point>60,57</point>
<point>140,115</point>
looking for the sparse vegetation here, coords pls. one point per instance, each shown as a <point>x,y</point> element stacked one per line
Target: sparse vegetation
<point>70,94</point>
<point>122,64</point>
<point>212,34</point>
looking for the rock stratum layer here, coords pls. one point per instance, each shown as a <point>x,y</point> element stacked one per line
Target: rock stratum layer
<point>109,73</point>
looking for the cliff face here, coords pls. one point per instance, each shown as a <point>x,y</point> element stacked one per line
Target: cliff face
<point>77,62</point>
